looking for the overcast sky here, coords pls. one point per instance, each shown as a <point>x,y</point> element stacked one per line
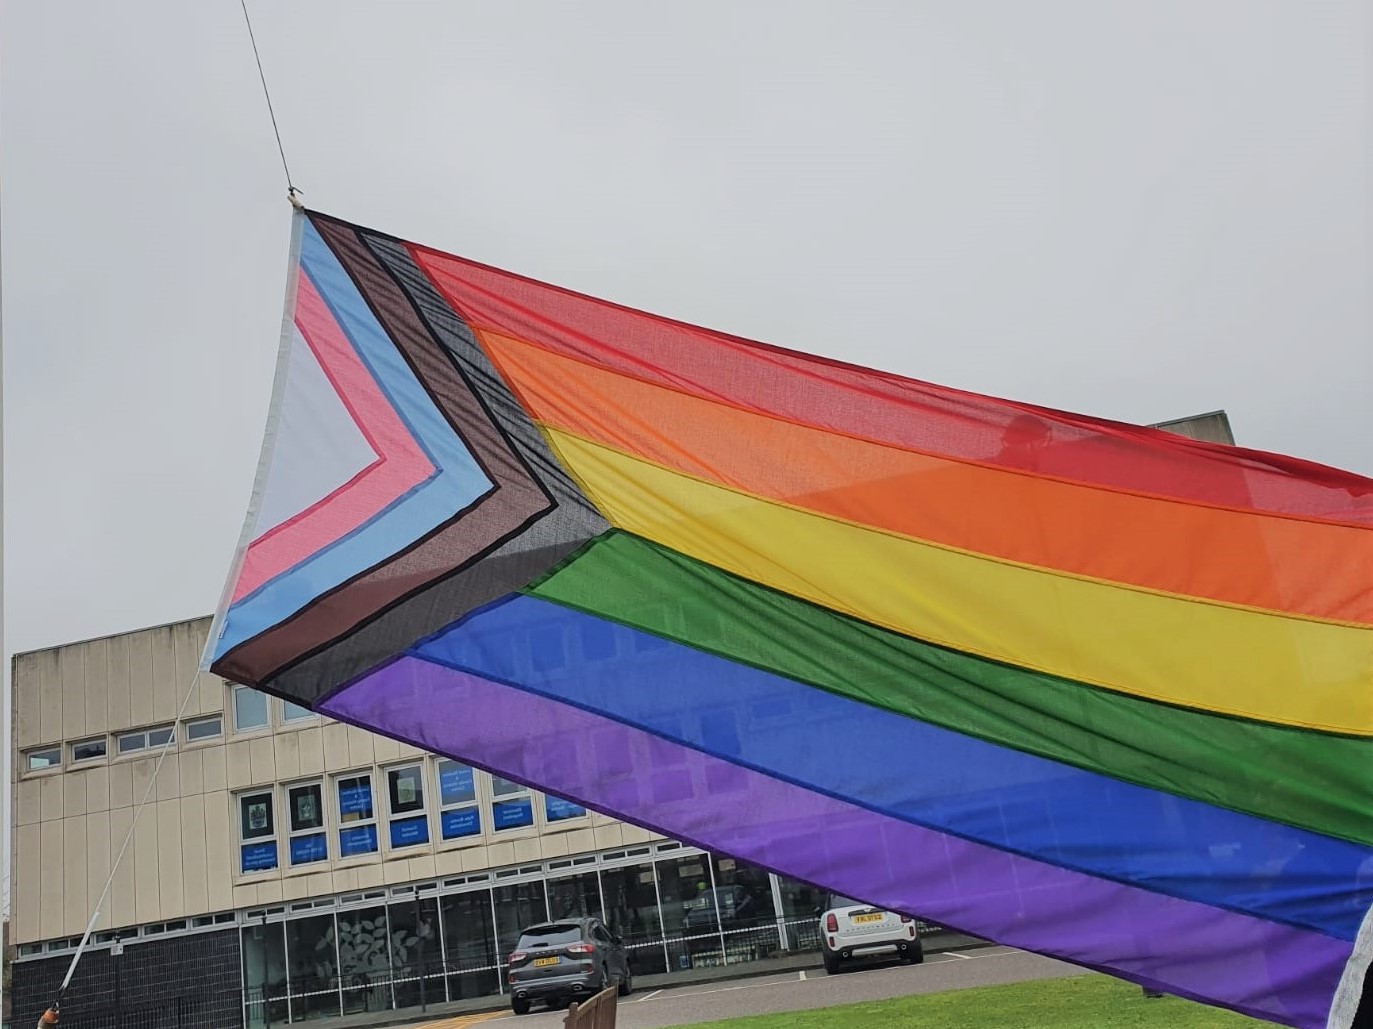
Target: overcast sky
<point>1136,210</point>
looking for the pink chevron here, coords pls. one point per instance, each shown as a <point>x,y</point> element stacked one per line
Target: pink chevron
<point>400,466</point>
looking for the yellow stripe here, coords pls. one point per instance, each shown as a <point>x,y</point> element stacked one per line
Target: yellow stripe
<point>1227,660</point>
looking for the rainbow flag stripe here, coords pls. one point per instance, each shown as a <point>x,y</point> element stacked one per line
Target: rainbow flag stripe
<point>1080,687</point>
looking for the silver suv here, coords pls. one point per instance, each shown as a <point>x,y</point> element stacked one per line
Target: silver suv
<point>850,929</point>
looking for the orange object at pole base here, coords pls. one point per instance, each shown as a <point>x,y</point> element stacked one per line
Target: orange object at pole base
<point>49,1019</point>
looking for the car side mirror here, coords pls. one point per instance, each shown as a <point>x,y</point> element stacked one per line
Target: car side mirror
<point>819,911</point>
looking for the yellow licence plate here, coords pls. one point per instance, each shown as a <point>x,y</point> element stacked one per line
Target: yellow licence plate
<point>544,962</point>
<point>864,919</point>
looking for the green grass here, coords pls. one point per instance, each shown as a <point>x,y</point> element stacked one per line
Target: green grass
<point>1080,1002</point>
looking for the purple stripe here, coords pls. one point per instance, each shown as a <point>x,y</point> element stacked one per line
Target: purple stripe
<point>1261,968</point>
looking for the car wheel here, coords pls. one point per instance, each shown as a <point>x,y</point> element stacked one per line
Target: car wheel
<point>831,964</point>
<point>627,984</point>
<point>520,1007</point>
<point>916,956</point>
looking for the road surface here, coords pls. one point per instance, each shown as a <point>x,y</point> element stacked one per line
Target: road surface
<point>801,991</point>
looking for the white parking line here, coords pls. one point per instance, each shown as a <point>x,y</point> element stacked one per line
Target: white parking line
<point>955,954</point>
<point>801,975</point>
<point>646,997</point>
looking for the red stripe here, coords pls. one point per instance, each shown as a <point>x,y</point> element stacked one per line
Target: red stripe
<point>399,467</point>
<point>888,408</point>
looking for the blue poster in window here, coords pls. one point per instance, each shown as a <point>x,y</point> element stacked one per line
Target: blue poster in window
<point>460,823</point>
<point>355,798</point>
<point>359,840</point>
<point>406,832</point>
<point>455,783</point>
<point>509,814</point>
<point>556,809</point>
<point>257,857</point>
<point>305,849</point>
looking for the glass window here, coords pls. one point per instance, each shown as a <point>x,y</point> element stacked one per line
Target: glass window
<point>574,896</point>
<point>161,737</point>
<point>469,938</point>
<point>294,712</point>
<point>689,912</point>
<point>511,807</point>
<point>405,792</point>
<point>48,757</point>
<point>799,903</point>
<point>264,974</point>
<point>204,729</point>
<point>357,817</point>
<point>416,956</point>
<point>459,815</point>
<point>144,739</point>
<point>313,952</point>
<point>250,709</point>
<point>363,960</point>
<point>88,750</point>
<point>631,911</point>
<point>518,906</point>
<point>305,803</point>
<point>556,809</point>
<point>257,831</point>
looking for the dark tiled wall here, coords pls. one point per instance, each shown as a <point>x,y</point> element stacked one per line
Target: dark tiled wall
<point>183,982</point>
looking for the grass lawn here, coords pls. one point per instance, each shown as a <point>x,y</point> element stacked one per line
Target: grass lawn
<point>1081,1002</point>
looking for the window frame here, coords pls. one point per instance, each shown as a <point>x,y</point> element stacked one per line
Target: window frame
<point>511,798</point>
<point>320,830</point>
<point>416,816</point>
<point>349,825</point>
<point>234,693</point>
<point>32,752</point>
<point>190,723</point>
<point>287,719</point>
<point>457,807</point>
<point>147,744</point>
<point>104,755</point>
<point>271,837</point>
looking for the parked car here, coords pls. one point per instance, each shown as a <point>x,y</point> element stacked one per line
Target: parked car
<point>570,959</point>
<point>850,929</point>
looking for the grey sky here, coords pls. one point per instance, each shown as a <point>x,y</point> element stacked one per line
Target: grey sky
<point>1136,210</point>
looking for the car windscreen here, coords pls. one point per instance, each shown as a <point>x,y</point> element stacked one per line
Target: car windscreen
<point>550,936</point>
<point>837,901</point>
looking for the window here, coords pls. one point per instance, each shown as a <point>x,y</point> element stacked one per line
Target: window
<point>145,739</point>
<point>305,804</point>
<point>511,806</point>
<point>405,791</point>
<point>204,729</point>
<point>357,817</point>
<point>47,757</point>
<point>556,809</point>
<point>294,712</point>
<point>250,709</point>
<point>458,812</point>
<point>89,750</point>
<point>257,832</point>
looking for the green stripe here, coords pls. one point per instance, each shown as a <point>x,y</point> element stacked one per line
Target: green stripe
<point>1309,779</point>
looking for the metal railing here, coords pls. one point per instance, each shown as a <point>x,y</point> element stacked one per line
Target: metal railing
<point>596,1013</point>
<point>207,1009</point>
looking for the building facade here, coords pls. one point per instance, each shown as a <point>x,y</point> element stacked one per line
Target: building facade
<point>289,867</point>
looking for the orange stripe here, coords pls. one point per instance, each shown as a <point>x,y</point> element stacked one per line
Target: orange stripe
<point>1278,564</point>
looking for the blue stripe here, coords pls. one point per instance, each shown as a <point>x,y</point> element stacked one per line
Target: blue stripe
<point>913,771</point>
<point>457,482</point>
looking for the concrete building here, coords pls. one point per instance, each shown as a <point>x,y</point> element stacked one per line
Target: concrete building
<point>289,867</point>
